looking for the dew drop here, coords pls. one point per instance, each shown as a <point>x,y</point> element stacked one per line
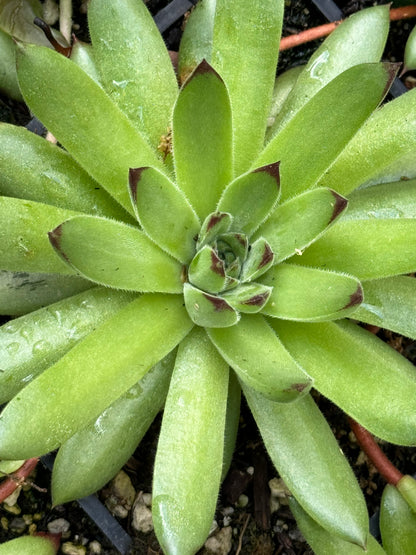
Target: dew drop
<point>10,328</point>
<point>12,348</point>
<point>41,347</point>
<point>26,333</point>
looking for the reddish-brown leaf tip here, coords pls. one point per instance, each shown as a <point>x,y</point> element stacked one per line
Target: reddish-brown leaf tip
<point>55,240</point>
<point>202,68</point>
<point>340,205</point>
<point>219,304</point>
<point>217,265</point>
<point>258,300</point>
<point>267,256</point>
<point>273,170</point>
<point>134,178</point>
<point>356,298</point>
<point>215,219</point>
<point>392,70</point>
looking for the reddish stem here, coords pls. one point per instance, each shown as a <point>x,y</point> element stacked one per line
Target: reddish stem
<point>16,479</point>
<point>367,443</point>
<point>405,12</point>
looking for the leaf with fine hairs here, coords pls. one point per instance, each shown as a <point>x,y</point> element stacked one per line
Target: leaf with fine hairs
<point>397,523</point>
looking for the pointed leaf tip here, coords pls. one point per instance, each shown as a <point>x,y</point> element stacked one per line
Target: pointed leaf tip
<point>201,69</point>
<point>268,256</point>
<point>392,70</point>
<point>134,178</point>
<point>356,298</point>
<point>55,240</point>
<point>273,170</point>
<point>340,205</point>
<point>219,304</point>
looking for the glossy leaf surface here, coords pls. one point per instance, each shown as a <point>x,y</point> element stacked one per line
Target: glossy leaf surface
<point>251,29</point>
<point>164,213</point>
<point>134,64</point>
<point>397,523</point>
<point>101,368</point>
<point>123,423</point>
<point>115,254</point>
<point>107,145</point>
<point>313,138</point>
<point>260,360</point>
<point>190,449</point>
<point>35,341</point>
<point>202,139</point>
<point>410,51</point>
<point>307,456</point>
<point>374,384</point>
<point>310,295</point>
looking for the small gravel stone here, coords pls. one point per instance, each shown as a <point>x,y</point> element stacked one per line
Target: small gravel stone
<point>142,516</point>
<point>147,499</point>
<point>17,525</point>
<point>220,543</point>
<point>4,523</point>
<point>58,526</point>
<point>70,549</point>
<point>121,494</point>
<point>279,491</point>
<point>95,548</point>
<point>12,499</point>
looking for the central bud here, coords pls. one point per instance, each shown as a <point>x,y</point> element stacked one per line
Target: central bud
<point>220,276</point>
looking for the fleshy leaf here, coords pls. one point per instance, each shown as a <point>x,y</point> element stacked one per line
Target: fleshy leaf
<point>143,85</point>
<point>259,260</point>
<point>360,39</point>
<point>244,51</point>
<point>106,145</point>
<point>232,419</point>
<point>251,197</point>
<point>208,310</point>
<point>214,224</point>
<point>49,175</point>
<point>374,384</point>
<point>82,54</point>
<point>120,352</point>
<point>28,545</point>
<point>325,543</point>
<point>310,295</point>
<point>127,419</point>
<point>282,87</point>
<point>248,297</point>
<point>9,84</point>
<point>202,139</point>
<point>298,222</point>
<point>397,523</point>
<point>313,138</point>
<point>260,360</point>
<point>164,213</point>
<point>32,343</point>
<point>207,271</point>
<point>410,51</point>
<point>304,450</point>
<point>390,303</point>
<point>115,254</point>
<point>382,150</point>
<point>188,460</point>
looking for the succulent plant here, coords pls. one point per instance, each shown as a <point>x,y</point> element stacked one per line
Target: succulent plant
<point>181,243</point>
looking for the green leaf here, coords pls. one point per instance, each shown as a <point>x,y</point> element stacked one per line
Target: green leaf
<point>29,545</point>
<point>410,52</point>
<point>251,197</point>
<point>407,488</point>
<point>21,292</point>
<point>92,375</point>
<point>111,439</point>
<point>360,373</point>
<point>390,303</point>
<point>245,46</point>
<point>208,310</point>
<point>298,222</point>
<point>248,297</point>
<point>324,543</point>
<point>314,137</point>
<point>32,343</point>
<point>382,150</point>
<point>207,271</point>
<point>134,64</point>
<point>7,467</point>
<point>232,420</point>
<point>106,145</point>
<point>188,460</point>
<point>259,259</point>
<point>305,453</point>
<point>8,76</point>
<point>164,213</point>
<point>260,360</point>
<point>397,523</point>
<point>360,39</point>
<point>282,87</point>
<point>17,20</point>
<point>115,254</point>
<point>214,224</point>
<point>24,245</point>
<point>310,295</point>
<point>82,55</point>
<point>49,175</point>
<point>202,139</point>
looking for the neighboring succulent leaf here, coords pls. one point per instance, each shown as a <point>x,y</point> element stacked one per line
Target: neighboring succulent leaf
<point>251,197</point>
<point>245,42</point>
<point>49,175</point>
<point>164,213</point>
<point>310,295</point>
<point>397,523</point>
<point>106,145</point>
<point>232,419</point>
<point>134,64</point>
<point>89,456</point>
<point>324,543</point>
<point>29,545</point>
<point>360,39</point>
<point>308,458</point>
<point>24,245</point>
<point>202,140</point>
<point>6,467</point>
<point>190,450</point>
<point>16,19</point>
<point>374,384</point>
<point>406,486</point>
<point>259,259</point>
<point>298,222</point>
<point>248,297</point>
<point>115,254</point>
<point>410,52</point>
<point>82,55</point>
<point>207,271</point>
<point>32,343</point>
<point>260,360</point>
<point>390,303</point>
<point>358,245</point>
<point>100,368</point>
<point>8,76</point>
<point>21,292</point>
<point>214,224</point>
<point>208,310</point>
<point>314,137</point>
<point>282,87</point>
<point>382,150</point>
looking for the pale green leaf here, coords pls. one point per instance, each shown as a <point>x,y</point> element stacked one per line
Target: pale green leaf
<point>190,450</point>
<point>282,87</point>
<point>208,310</point>
<point>82,54</point>
<point>207,271</point>
<point>8,76</point>
<point>397,523</point>
<point>410,51</point>
<point>92,375</point>
<point>16,19</point>
<point>232,420</point>
<point>115,254</point>
<point>29,545</point>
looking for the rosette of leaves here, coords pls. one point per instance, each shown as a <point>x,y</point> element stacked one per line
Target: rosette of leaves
<point>147,271</point>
